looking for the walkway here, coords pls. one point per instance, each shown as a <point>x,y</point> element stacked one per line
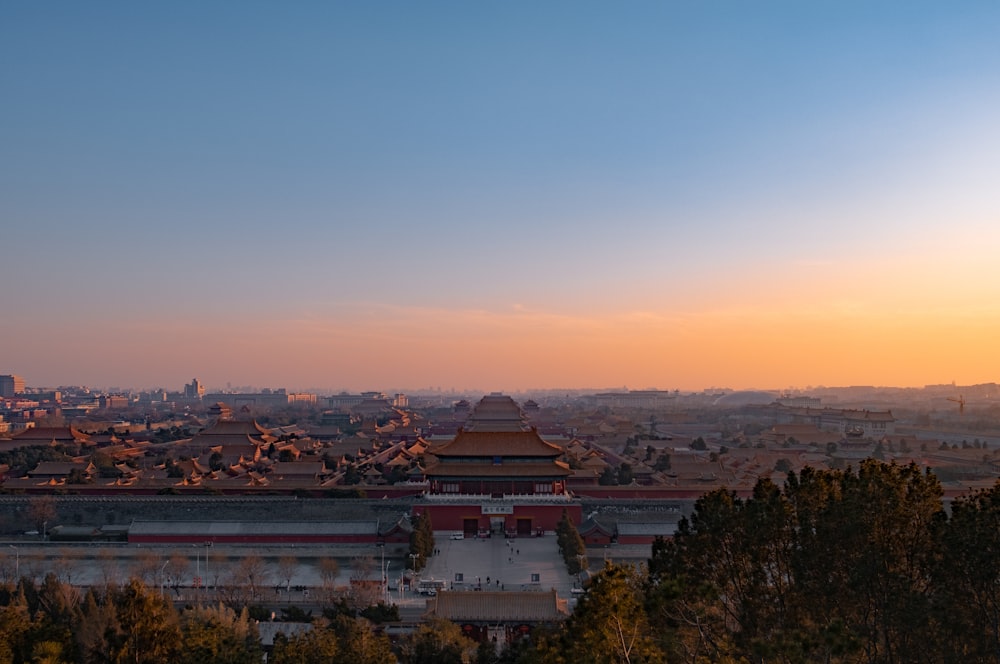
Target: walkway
<point>529,563</point>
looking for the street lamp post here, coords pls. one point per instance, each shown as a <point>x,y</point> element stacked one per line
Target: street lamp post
<point>208,545</point>
<point>162,567</point>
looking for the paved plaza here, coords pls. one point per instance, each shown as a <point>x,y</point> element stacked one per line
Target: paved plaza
<point>529,563</point>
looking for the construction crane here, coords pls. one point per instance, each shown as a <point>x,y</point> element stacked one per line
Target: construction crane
<point>961,403</point>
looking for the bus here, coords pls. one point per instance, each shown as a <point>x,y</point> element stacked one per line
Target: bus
<point>431,586</point>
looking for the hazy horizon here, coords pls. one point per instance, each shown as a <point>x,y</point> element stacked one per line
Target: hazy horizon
<point>570,193</point>
<point>429,390</point>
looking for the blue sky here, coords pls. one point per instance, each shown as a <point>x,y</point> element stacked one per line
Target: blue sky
<point>188,165</point>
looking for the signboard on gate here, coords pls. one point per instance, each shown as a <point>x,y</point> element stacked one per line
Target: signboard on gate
<point>498,508</point>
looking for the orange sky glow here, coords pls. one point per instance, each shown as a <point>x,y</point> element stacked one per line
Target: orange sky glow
<point>504,196</point>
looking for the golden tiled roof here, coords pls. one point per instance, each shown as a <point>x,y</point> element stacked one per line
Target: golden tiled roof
<point>497,443</point>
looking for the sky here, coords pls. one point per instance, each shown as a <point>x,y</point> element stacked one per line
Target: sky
<point>500,196</point>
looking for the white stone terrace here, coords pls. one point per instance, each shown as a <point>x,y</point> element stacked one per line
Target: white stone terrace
<point>520,498</point>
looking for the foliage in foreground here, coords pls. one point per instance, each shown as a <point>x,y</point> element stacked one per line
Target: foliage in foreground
<point>52,623</point>
<point>851,566</point>
<point>836,566</point>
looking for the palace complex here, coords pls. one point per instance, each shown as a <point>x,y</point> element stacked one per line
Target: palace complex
<point>497,476</point>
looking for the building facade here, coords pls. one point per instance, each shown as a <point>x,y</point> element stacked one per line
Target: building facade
<point>11,386</point>
<point>497,476</point>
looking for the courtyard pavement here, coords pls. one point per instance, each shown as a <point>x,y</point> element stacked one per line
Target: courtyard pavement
<point>528,563</point>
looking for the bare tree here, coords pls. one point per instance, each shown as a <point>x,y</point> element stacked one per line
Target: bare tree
<point>145,566</point>
<point>64,565</point>
<point>33,564</point>
<point>42,512</point>
<point>287,566</point>
<point>108,564</point>
<point>10,564</point>
<point>365,590</point>
<point>216,564</point>
<point>328,570</point>
<point>178,569</point>
<point>244,582</point>
<point>361,567</point>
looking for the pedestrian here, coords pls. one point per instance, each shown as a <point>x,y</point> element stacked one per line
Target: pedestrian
<point>518,552</point>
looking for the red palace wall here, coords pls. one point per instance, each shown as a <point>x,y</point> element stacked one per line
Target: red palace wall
<point>453,517</point>
<point>637,539</point>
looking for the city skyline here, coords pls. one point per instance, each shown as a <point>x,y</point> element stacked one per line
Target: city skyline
<point>503,198</point>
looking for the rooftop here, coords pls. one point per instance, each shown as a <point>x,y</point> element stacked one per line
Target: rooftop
<point>489,606</point>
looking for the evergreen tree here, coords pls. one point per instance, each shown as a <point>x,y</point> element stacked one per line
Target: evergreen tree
<point>609,624</point>
<point>319,644</point>
<point>218,635</point>
<point>421,541</point>
<point>15,628</point>
<point>759,579</point>
<point>624,476</point>
<point>98,629</point>
<point>360,644</point>
<point>608,477</point>
<point>571,545</point>
<point>150,632</point>
<point>438,641</point>
<point>967,579</point>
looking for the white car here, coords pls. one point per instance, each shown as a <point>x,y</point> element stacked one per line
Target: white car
<point>457,536</point>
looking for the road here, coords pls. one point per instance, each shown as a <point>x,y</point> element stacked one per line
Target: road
<point>531,563</point>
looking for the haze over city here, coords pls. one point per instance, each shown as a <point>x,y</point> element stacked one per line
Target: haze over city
<point>509,196</point>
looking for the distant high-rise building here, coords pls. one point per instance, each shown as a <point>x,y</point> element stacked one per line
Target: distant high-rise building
<point>113,401</point>
<point>194,389</point>
<point>11,386</point>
